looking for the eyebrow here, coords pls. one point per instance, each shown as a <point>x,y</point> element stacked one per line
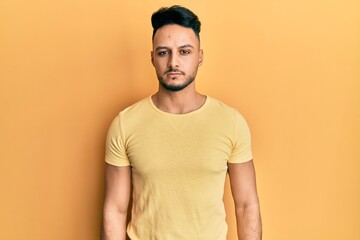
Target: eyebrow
<point>183,46</point>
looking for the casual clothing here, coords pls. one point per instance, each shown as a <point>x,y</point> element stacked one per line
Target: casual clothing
<point>179,164</point>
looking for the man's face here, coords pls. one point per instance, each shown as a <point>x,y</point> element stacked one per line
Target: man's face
<point>176,56</point>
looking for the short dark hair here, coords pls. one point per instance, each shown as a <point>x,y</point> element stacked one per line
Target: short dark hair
<point>175,15</point>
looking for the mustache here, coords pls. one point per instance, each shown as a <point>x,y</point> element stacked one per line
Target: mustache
<point>175,70</point>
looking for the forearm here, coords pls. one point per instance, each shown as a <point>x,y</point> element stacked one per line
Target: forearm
<point>249,222</point>
<point>114,225</point>
<point>116,202</point>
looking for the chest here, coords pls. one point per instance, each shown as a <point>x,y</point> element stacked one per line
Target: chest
<point>186,146</point>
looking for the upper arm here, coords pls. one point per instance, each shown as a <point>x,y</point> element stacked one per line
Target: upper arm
<point>115,150</point>
<point>243,183</point>
<point>117,188</point>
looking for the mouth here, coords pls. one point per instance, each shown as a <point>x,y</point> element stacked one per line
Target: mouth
<point>173,72</point>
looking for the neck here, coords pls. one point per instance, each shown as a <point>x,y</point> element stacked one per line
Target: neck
<point>180,102</point>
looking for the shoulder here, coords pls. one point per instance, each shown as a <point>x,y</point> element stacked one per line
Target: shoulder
<point>135,114</point>
<point>134,110</point>
<point>226,114</point>
<point>223,108</point>
<point>136,107</point>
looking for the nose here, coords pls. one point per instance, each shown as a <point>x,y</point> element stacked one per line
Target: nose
<point>173,61</point>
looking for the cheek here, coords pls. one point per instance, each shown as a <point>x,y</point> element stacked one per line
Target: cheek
<point>156,63</point>
<point>159,68</point>
<point>159,62</point>
<point>194,64</point>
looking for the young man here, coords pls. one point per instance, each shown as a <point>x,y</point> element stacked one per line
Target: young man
<point>173,150</point>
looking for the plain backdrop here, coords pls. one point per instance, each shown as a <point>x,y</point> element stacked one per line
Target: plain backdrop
<point>292,68</point>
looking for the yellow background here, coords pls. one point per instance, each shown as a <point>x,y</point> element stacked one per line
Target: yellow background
<point>291,67</point>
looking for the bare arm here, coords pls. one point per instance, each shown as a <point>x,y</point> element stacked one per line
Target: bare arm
<point>243,187</point>
<point>117,195</point>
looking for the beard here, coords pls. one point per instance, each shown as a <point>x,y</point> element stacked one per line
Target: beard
<point>179,87</point>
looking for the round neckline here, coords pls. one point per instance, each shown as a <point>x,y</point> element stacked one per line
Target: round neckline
<point>180,114</point>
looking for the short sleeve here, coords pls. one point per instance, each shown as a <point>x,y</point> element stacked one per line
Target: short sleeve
<point>241,151</point>
<point>115,151</point>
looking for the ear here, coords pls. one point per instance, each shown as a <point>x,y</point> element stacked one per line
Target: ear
<point>201,57</point>
<point>152,57</point>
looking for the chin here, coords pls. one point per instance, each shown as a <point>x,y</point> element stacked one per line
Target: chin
<point>175,87</point>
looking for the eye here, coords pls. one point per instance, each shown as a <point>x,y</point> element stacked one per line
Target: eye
<point>162,53</point>
<point>184,52</point>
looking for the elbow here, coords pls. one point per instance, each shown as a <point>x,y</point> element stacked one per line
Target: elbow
<point>247,206</point>
<point>114,209</point>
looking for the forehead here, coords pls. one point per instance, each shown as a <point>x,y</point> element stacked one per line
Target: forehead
<point>173,35</point>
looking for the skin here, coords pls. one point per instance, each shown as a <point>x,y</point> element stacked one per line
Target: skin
<point>247,209</point>
<point>116,202</point>
<point>176,56</point>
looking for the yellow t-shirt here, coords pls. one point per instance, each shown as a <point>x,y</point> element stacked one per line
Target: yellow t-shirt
<point>179,165</point>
